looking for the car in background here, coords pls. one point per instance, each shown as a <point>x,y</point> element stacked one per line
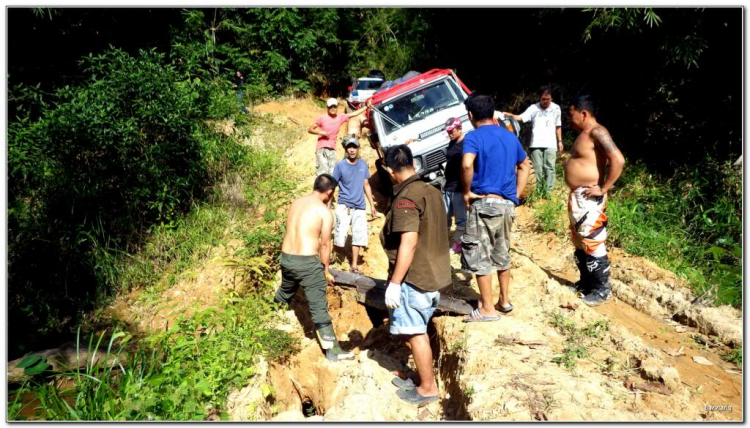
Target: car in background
<point>362,89</point>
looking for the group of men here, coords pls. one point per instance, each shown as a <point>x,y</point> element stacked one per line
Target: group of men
<point>486,174</point>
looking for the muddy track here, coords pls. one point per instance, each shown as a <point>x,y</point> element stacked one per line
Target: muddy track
<point>507,370</point>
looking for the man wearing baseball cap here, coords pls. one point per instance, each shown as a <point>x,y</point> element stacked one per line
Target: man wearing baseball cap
<point>452,191</point>
<point>326,127</point>
<point>352,175</point>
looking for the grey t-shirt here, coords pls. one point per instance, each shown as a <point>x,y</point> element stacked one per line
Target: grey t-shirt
<point>351,179</point>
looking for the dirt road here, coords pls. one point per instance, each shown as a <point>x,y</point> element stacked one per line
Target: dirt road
<point>627,360</point>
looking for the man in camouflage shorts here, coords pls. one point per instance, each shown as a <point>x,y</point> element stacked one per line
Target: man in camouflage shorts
<point>491,155</point>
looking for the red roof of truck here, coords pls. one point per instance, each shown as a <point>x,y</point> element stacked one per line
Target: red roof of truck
<point>414,82</point>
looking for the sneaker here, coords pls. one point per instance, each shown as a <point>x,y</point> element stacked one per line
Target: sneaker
<point>596,298</point>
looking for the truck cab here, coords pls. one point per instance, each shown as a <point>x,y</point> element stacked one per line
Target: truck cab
<point>415,112</point>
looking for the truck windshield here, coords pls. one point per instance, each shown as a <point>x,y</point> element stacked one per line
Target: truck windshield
<point>417,105</point>
<point>368,85</point>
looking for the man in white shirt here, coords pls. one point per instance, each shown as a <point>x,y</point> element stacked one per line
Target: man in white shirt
<point>546,136</point>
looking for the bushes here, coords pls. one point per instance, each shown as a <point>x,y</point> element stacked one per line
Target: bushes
<point>690,223</point>
<point>184,373</point>
<point>100,165</point>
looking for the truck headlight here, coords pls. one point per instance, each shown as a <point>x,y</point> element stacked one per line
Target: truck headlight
<point>417,165</point>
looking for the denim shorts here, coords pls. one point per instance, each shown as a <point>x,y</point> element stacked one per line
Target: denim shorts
<point>416,308</point>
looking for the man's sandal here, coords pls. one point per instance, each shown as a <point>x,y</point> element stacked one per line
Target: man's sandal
<point>505,309</point>
<point>403,383</point>
<point>412,396</point>
<point>477,316</point>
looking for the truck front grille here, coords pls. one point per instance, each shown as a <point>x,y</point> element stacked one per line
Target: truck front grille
<point>434,159</point>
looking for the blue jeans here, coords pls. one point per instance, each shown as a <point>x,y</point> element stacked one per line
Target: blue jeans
<point>454,206</point>
<point>240,96</point>
<point>416,309</point>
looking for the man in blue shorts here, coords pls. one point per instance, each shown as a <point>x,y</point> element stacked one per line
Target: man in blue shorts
<point>415,240</point>
<point>491,156</point>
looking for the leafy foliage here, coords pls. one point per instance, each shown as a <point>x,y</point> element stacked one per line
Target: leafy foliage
<point>690,222</point>
<point>96,169</point>
<point>181,374</point>
<point>277,49</point>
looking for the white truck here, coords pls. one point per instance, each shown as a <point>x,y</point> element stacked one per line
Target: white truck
<point>415,111</point>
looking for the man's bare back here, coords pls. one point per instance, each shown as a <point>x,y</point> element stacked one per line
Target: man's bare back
<point>308,225</point>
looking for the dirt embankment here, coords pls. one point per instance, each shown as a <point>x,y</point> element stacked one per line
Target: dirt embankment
<point>638,363</point>
<point>640,366</point>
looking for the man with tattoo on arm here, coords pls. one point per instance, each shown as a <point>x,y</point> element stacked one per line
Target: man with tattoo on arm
<point>585,176</point>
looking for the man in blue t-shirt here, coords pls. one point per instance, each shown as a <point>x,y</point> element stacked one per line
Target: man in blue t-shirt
<point>352,173</point>
<point>491,190</point>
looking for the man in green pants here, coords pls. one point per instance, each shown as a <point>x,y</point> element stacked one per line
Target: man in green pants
<point>305,254</point>
<point>546,137</point>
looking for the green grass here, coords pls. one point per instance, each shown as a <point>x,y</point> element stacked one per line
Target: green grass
<point>689,223</point>
<point>578,339</point>
<point>734,356</point>
<point>550,216</point>
<point>181,374</point>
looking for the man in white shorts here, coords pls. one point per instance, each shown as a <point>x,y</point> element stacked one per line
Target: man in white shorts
<point>352,175</point>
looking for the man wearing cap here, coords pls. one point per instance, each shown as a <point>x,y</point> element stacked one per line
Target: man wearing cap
<point>452,191</point>
<point>326,127</point>
<point>546,137</point>
<point>352,176</point>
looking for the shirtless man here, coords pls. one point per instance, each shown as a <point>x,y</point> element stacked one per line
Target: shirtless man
<point>585,176</point>
<point>305,254</point>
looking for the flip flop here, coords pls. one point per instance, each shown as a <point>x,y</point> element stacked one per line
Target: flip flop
<point>411,396</point>
<point>403,383</point>
<point>505,309</point>
<point>477,316</point>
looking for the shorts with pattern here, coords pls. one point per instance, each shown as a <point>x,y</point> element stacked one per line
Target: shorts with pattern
<point>588,223</point>
<point>325,161</point>
<point>358,220</point>
<point>416,309</point>
<point>485,246</point>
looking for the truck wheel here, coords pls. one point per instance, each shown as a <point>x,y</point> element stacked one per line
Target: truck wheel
<point>386,185</point>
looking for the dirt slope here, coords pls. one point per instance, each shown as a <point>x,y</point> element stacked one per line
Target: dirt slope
<point>484,373</point>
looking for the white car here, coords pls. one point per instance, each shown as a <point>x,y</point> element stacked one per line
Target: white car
<point>362,89</point>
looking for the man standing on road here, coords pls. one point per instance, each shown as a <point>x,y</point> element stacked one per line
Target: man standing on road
<point>584,175</point>
<point>416,242</point>
<point>546,137</point>
<point>453,195</point>
<point>326,127</point>
<point>352,176</point>
<point>305,254</point>
<point>491,191</point>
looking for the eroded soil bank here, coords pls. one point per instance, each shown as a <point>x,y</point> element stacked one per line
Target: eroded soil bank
<point>637,363</point>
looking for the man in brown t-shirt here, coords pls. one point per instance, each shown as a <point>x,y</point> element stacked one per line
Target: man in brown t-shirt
<point>416,243</point>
